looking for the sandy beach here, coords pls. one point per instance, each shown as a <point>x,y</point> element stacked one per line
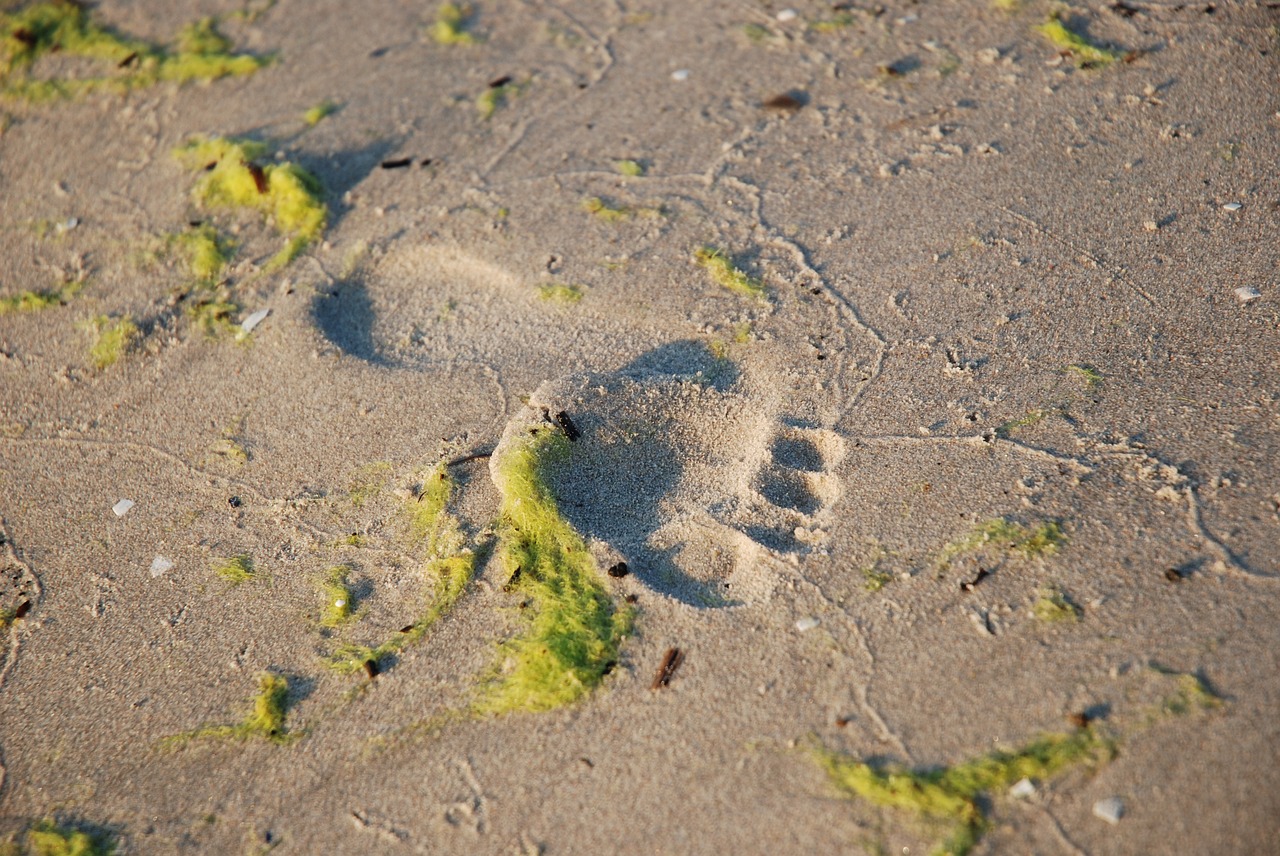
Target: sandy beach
<point>640,427</point>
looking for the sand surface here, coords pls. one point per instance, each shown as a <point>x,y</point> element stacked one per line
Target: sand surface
<point>999,287</point>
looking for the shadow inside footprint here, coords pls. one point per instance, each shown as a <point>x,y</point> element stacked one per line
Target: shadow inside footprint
<point>665,451</point>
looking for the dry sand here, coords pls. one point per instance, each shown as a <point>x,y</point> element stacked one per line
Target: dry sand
<point>999,286</point>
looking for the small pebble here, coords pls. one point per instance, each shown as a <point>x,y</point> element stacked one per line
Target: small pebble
<point>1246,294</point>
<point>1022,789</point>
<point>787,15</point>
<point>339,603</point>
<point>681,74</point>
<point>1151,226</point>
<point>1232,206</point>
<point>804,625</point>
<point>1111,810</point>
<point>122,507</point>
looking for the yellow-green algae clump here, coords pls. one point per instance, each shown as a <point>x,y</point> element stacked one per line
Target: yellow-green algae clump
<point>47,838</point>
<point>1087,54</point>
<point>65,28</point>
<point>955,796</point>
<point>34,301</point>
<point>1042,539</point>
<point>236,570</point>
<point>265,720</point>
<point>235,176</point>
<point>450,27</point>
<point>717,263</point>
<point>447,569</point>
<point>575,633</point>
<point>112,338</point>
<point>337,597</point>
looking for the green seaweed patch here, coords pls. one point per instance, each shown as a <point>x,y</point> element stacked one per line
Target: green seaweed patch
<point>1033,417</point>
<point>1092,377</point>
<point>235,570</point>
<point>559,292</point>
<point>875,579</point>
<point>956,797</point>
<point>1043,539</point>
<point>493,97</point>
<point>722,269</point>
<point>112,339</point>
<point>204,252</point>
<point>35,300</point>
<point>452,23</point>
<point>1193,694</point>
<point>1086,53</point>
<point>834,24</point>
<point>233,177</point>
<point>212,315</point>
<point>597,207</point>
<point>756,33</point>
<point>47,838</point>
<point>1052,606</point>
<point>575,633</point>
<point>200,53</point>
<point>337,597</point>
<point>265,720</point>
<point>448,567</point>
<point>319,113</point>
<point>630,168</point>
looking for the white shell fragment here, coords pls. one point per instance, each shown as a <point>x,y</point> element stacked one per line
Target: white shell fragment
<point>122,507</point>
<point>1111,810</point>
<point>1232,206</point>
<point>247,325</point>
<point>160,566</point>
<point>804,625</point>
<point>1247,294</point>
<point>681,74</point>
<point>1022,789</point>
<point>787,15</point>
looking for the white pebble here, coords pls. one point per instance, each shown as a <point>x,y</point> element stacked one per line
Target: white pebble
<point>339,603</point>
<point>122,507</point>
<point>160,566</point>
<point>1246,294</point>
<point>1022,789</point>
<point>787,15</point>
<point>681,74</point>
<point>804,625</point>
<point>1111,810</point>
<point>1232,206</point>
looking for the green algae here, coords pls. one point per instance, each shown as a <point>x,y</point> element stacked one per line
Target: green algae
<point>448,567</point>
<point>265,719</point>
<point>575,632</point>
<point>629,168</point>
<point>112,339</point>
<point>488,102</point>
<point>1092,377</point>
<point>47,838</point>
<point>1086,53</point>
<point>1032,417</point>
<point>1041,540</point>
<point>597,207</point>
<point>235,570</point>
<point>559,292</point>
<point>212,315</point>
<point>233,176</point>
<point>337,597</point>
<point>722,269</point>
<point>1193,694</point>
<point>319,112</point>
<point>1052,606</point>
<point>955,798</point>
<point>204,252</point>
<point>35,300</point>
<point>200,53</point>
<point>368,482</point>
<point>450,26</point>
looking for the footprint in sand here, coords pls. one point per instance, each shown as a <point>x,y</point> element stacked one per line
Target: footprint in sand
<point>686,470</point>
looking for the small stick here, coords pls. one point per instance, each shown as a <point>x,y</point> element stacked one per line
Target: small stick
<point>670,662</point>
<point>983,573</point>
<point>566,424</point>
